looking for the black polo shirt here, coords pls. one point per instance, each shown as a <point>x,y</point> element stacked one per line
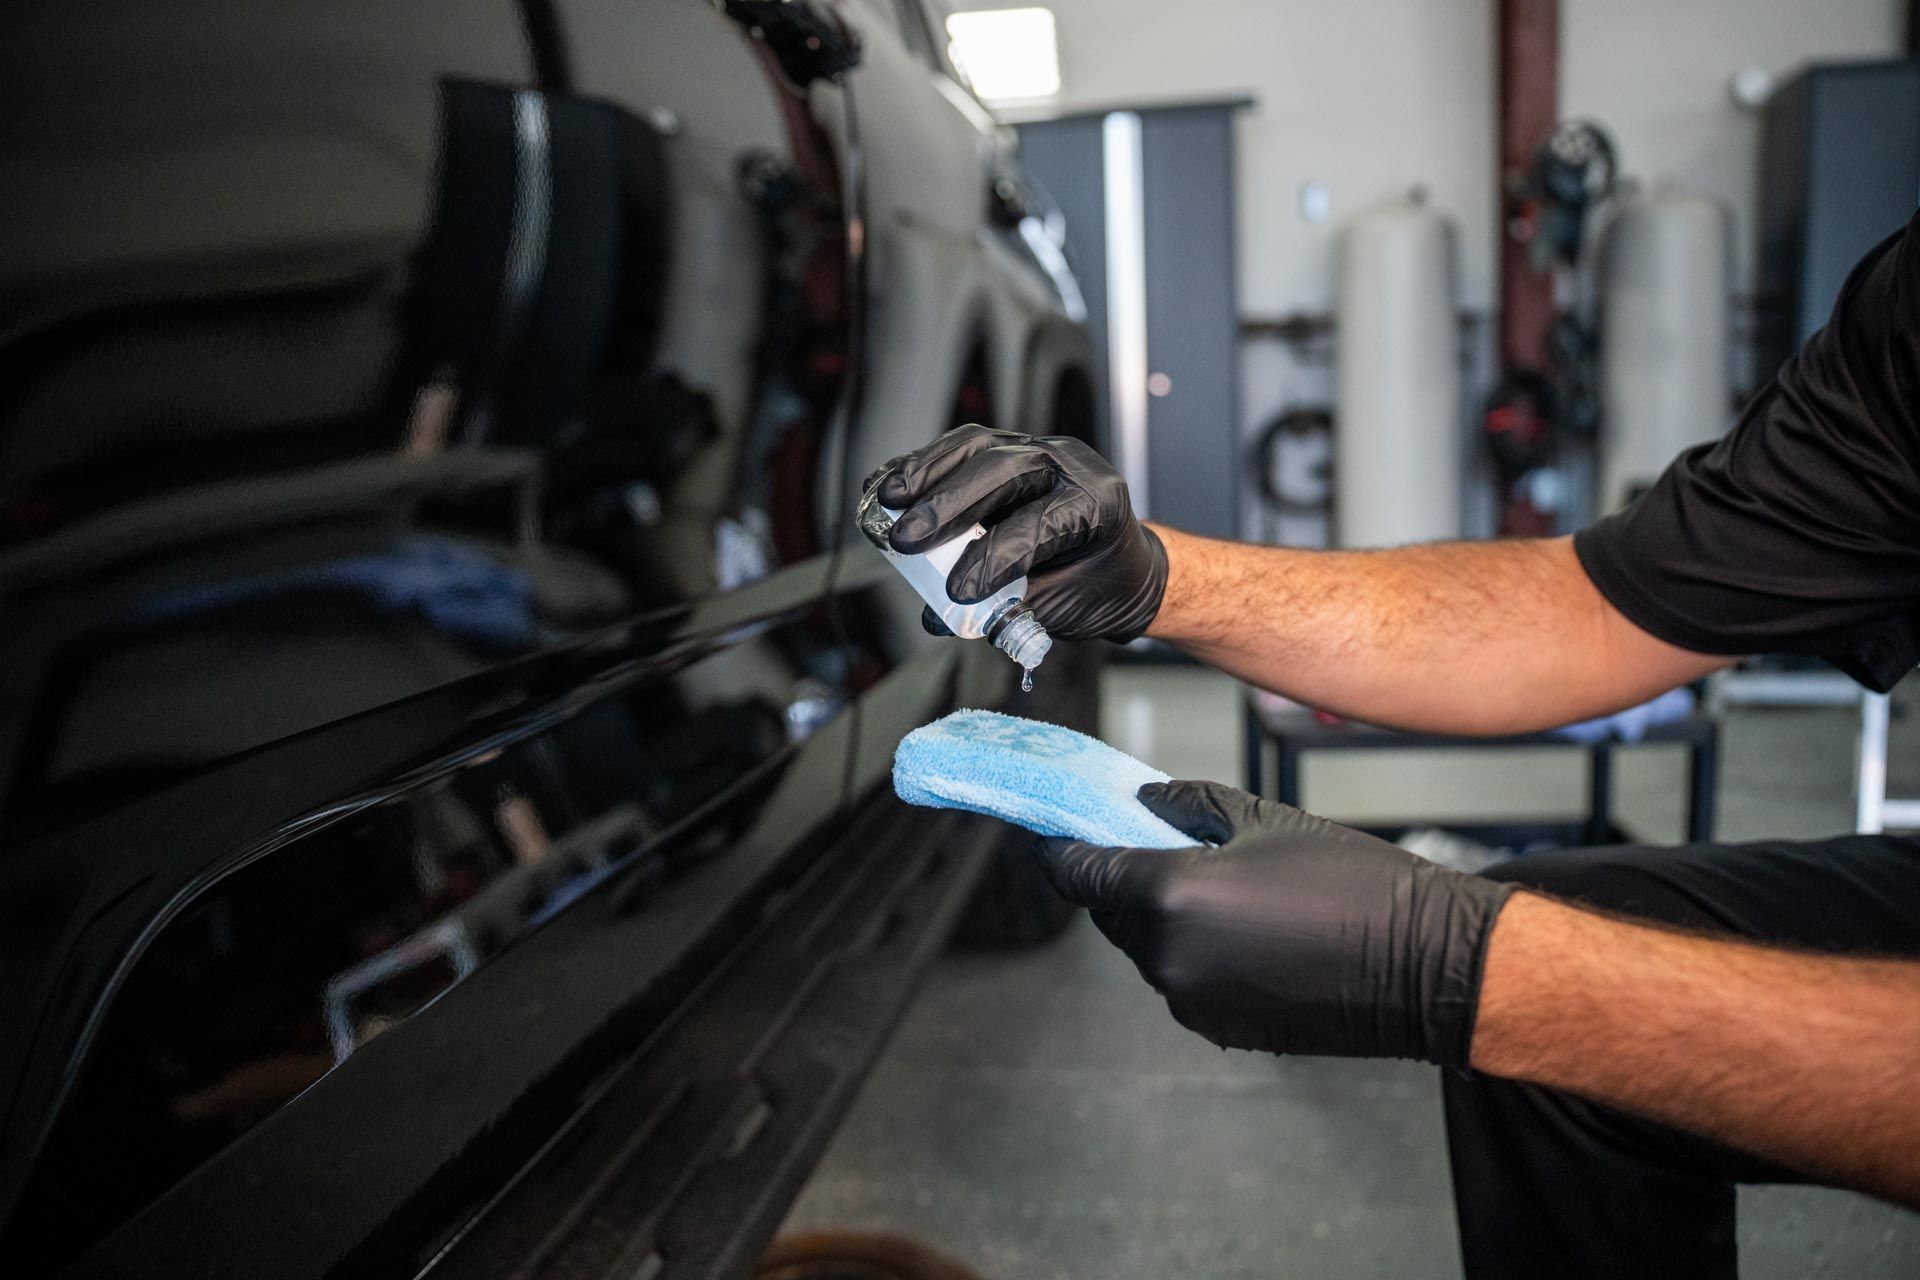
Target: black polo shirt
<point>1799,532</point>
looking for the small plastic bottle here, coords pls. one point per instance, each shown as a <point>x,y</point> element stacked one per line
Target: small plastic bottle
<point>1000,618</point>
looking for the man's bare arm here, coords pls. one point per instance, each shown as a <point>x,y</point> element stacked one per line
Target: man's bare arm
<point>1464,637</point>
<point>1807,1060</point>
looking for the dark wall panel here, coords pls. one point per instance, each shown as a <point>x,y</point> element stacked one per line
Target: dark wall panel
<point>1839,172</point>
<point>1192,330</point>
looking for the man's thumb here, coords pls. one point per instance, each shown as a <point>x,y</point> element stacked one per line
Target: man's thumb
<point>1208,811</point>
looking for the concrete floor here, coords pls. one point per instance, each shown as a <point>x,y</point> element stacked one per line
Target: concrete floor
<point>1041,1117</point>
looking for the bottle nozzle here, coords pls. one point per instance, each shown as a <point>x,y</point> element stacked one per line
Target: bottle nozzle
<point>1019,635</point>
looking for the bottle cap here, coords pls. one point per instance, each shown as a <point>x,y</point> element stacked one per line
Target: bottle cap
<point>1020,636</point>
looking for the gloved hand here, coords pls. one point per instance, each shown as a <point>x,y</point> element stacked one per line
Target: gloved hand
<point>1294,935</point>
<point>1054,509</point>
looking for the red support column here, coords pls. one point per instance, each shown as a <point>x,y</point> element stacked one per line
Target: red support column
<point>1529,107</point>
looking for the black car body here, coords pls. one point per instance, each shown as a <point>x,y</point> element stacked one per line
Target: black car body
<point>445,725</point>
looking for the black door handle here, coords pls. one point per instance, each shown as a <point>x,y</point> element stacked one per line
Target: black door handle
<point>809,38</point>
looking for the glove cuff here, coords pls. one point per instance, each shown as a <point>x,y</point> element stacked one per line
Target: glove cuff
<point>1138,613</point>
<point>1456,921</point>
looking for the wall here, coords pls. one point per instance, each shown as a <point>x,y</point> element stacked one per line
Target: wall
<point>1367,96</point>
<point>1655,73</point>
<point>1371,97</point>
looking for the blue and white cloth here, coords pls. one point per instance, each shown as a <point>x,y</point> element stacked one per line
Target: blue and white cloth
<point>1035,775</point>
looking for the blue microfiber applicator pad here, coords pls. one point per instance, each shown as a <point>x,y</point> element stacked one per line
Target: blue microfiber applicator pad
<point>1039,776</point>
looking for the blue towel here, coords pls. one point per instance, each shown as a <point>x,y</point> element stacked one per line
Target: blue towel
<point>1039,776</point>
<point>1632,724</point>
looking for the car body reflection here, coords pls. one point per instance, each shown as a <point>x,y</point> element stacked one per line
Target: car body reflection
<point>425,443</point>
<point>462,433</point>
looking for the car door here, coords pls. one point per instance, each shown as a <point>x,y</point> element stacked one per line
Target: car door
<point>419,665</point>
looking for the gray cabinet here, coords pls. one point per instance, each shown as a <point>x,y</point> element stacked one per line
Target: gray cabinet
<point>1148,200</point>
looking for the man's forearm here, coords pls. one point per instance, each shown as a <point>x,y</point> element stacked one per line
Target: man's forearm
<point>1808,1060</point>
<point>1469,637</point>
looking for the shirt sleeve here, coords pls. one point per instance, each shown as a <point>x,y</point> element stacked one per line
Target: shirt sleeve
<point>1799,531</point>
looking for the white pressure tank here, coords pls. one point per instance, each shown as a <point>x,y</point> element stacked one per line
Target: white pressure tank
<point>1397,416</point>
<point>1663,335</point>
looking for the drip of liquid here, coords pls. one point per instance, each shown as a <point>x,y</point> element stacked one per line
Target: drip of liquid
<point>1026,679</point>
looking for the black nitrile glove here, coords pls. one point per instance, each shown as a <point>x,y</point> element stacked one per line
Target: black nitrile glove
<point>1054,509</point>
<point>1295,935</point>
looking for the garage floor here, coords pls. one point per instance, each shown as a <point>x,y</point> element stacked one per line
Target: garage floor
<point>1041,1117</point>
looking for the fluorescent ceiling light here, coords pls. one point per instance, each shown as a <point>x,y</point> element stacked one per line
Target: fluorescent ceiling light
<point>1009,55</point>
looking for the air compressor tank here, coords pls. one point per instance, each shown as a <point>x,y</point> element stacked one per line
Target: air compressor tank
<point>1663,335</point>
<point>1397,459</point>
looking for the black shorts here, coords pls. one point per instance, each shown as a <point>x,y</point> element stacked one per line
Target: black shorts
<point>1549,1184</point>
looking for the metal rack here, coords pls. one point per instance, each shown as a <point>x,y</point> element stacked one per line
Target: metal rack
<point>1874,810</point>
<point>1287,740</point>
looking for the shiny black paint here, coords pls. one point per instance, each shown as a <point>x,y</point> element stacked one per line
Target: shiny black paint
<point>276,972</point>
<point>426,644</point>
